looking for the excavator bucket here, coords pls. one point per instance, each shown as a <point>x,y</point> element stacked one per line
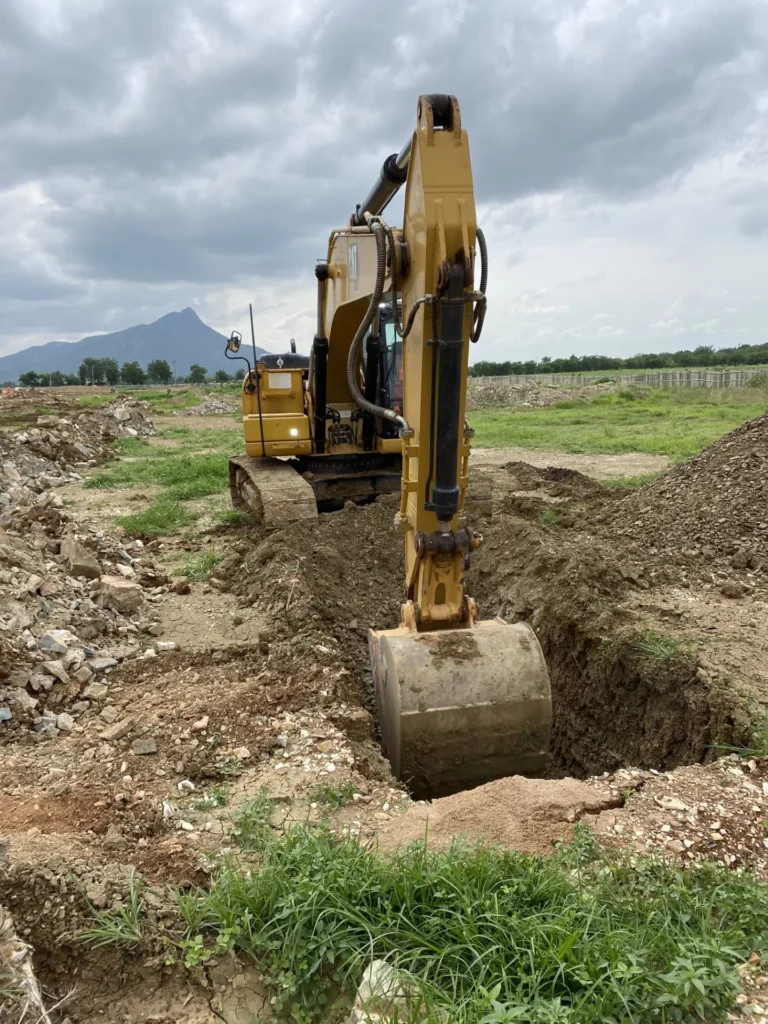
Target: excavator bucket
<point>460,707</point>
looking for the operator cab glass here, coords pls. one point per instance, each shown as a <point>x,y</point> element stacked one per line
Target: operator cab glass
<point>389,376</point>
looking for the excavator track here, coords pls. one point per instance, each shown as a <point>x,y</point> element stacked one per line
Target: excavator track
<point>270,491</point>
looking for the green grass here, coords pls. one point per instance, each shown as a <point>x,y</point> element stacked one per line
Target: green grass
<point>202,564</point>
<point>676,422</point>
<point>215,797</point>
<point>657,647</point>
<point>157,520</point>
<point>121,927</point>
<point>332,797</point>
<point>484,935</point>
<point>197,458</point>
<point>550,516</point>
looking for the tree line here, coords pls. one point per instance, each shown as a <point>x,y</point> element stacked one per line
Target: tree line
<point>703,356</point>
<point>108,371</point>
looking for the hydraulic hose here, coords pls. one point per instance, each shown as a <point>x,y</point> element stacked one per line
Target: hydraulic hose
<point>356,346</point>
<point>478,316</point>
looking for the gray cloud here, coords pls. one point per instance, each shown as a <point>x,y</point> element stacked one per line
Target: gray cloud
<point>207,144</point>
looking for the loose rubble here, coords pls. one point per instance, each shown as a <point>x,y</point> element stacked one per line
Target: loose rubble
<point>212,405</point>
<point>487,393</point>
<point>67,614</point>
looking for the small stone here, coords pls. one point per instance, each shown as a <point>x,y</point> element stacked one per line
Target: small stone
<point>5,714</point>
<point>325,746</point>
<point>127,571</point>
<point>200,724</point>
<point>109,714</point>
<point>123,596</point>
<point>237,619</point>
<point>101,664</point>
<point>165,645</point>
<point>282,740</point>
<point>156,630</point>
<point>180,586</point>
<point>56,641</point>
<point>242,753</point>
<point>732,589</point>
<point>118,730</point>
<point>187,826</point>
<point>81,561</point>
<point>65,722</point>
<point>83,674</point>
<point>671,803</point>
<point>96,691</point>
<point>144,745</point>
<point>56,668</point>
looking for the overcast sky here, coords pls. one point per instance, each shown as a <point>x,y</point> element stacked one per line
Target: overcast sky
<point>156,154</point>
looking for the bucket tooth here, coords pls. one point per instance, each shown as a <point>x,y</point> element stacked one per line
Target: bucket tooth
<point>461,707</point>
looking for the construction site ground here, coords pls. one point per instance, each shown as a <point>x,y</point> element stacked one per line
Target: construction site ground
<point>241,674</point>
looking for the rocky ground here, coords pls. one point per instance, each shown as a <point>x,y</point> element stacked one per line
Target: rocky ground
<point>486,393</point>
<point>139,712</point>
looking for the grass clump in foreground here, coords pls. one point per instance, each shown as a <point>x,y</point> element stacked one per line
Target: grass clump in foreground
<point>158,519</point>
<point>659,648</point>
<point>202,564</point>
<point>482,935</point>
<point>677,422</point>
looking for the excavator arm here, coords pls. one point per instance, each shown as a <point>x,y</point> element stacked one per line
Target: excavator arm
<point>461,701</point>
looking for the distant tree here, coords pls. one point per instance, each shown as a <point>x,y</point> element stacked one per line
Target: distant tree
<point>132,373</point>
<point>222,377</point>
<point>45,380</point>
<point>71,379</point>
<point>111,371</point>
<point>197,374</point>
<point>159,371</point>
<point>29,379</point>
<point>57,379</point>
<point>239,374</point>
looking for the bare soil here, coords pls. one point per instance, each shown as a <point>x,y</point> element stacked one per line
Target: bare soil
<point>270,687</point>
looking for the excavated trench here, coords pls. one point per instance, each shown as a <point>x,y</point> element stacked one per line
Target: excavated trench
<point>612,706</point>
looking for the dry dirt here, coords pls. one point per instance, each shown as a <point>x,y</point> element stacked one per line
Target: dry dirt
<point>269,686</point>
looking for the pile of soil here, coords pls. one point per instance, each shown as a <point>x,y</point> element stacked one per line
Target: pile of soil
<point>710,512</point>
<point>343,574</point>
<point>528,815</point>
<point>486,393</point>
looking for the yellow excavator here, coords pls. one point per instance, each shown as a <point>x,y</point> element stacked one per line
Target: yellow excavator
<point>377,407</point>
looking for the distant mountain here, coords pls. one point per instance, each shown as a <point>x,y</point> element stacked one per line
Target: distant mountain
<point>182,338</point>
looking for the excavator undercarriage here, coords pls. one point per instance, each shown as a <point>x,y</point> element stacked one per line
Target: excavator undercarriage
<point>379,408</point>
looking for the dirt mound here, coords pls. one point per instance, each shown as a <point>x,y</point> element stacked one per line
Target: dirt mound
<point>343,573</point>
<point>485,393</point>
<point>212,405</point>
<point>710,512</point>
<point>527,815</point>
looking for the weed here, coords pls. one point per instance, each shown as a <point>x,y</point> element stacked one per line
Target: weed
<point>549,516</point>
<point>160,518</point>
<point>760,380</point>
<point>202,564</point>
<point>485,934</point>
<point>232,517</point>
<point>332,797</point>
<point>121,928</point>
<point>659,648</point>
<point>215,797</point>
<point>759,738</point>
<point>252,829</point>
